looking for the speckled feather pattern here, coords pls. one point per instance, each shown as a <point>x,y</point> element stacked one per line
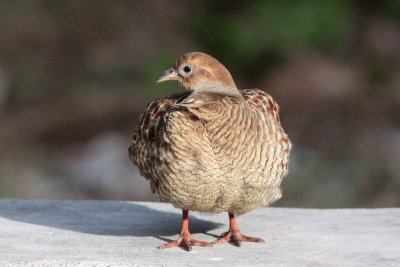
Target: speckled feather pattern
<point>212,152</point>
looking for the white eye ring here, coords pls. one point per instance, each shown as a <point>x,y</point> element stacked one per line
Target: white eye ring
<point>186,69</point>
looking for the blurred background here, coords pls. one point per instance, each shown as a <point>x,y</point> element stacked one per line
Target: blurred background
<point>75,75</point>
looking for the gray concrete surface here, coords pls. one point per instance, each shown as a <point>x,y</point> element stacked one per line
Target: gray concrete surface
<point>102,233</point>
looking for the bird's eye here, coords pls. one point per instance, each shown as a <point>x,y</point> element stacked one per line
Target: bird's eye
<point>187,69</point>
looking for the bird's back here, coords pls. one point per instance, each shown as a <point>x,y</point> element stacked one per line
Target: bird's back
<point>211,152</point>
<point>252,150</point>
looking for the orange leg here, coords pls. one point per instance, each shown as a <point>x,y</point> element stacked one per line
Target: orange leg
<point>186,240</point>
<point>233,235</point>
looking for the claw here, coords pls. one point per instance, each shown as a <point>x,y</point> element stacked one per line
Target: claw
<point>237,238</point>
<point>233,235</point>
<point>186,241</point>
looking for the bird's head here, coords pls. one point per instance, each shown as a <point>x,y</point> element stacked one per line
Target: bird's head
<point>199,72</point>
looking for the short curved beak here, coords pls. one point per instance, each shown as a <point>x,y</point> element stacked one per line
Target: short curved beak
<point>169,74</point>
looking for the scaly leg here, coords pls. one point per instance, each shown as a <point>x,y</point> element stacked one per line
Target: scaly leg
<point>185,240</point>
<point>233,235</point>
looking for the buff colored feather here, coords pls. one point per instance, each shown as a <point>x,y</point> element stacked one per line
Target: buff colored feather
<point>214,148</point>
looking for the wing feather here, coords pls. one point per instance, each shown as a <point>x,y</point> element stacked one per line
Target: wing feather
<point>262,101</point>
<point>142,151</point>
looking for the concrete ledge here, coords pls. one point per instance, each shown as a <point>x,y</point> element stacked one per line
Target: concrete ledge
<point>69,233</point>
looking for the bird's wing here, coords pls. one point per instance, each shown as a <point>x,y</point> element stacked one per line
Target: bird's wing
<point>147,133</point>
<point>154,117</point>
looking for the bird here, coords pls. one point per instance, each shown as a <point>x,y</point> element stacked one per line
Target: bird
<point>213,148</point>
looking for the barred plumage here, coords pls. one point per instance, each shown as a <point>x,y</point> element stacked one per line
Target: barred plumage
<point>233,162</point>
<point>214,148</point>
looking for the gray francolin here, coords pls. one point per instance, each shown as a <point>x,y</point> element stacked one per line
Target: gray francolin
<point>213,148</point>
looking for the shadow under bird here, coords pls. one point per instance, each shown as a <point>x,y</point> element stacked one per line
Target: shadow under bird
<point>214,148</point>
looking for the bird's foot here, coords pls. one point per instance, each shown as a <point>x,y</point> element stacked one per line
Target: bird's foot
<point>236,237</point>
<point>186,241</point>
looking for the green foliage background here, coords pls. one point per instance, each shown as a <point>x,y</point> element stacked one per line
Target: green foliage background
<point>73,72</point>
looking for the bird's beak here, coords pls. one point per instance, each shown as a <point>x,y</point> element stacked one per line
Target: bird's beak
<point>169,74</point>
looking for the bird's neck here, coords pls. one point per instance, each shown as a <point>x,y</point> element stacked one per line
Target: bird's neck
<point>217,88</point>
